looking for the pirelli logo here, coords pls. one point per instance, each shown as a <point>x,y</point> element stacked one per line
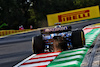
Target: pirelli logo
<point>74,16</point>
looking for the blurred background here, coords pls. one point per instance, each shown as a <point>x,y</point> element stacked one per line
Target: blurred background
<point>14,13</point>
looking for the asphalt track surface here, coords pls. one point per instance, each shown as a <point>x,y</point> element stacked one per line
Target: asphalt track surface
<point>15,48</point>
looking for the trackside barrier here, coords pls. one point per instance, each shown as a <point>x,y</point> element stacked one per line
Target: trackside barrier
<point>71,58</point>
<point>7,32</point>
<point>73,15</point>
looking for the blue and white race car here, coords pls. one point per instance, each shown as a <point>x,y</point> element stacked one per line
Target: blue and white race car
<point>59,38</point>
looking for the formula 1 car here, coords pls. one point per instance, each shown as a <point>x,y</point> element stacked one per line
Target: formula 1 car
<point>59,38</point>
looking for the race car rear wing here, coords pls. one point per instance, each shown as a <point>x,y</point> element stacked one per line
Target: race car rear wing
<point>55,30</point>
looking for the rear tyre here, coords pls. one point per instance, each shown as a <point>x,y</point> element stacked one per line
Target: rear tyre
<point>37,43</point>
<point>78,39</point>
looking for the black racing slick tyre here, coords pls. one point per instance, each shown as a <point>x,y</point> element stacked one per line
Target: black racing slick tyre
<point>37,43</point>
<point>78,39</point>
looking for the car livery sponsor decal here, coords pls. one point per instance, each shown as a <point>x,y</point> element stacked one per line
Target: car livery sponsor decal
<point>55,29</point>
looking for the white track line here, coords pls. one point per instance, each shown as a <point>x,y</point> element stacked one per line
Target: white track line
<point>68,58</point>
<point>65,64</point>
<point>75,49</point>
<point>37,64</point>
<point>41,59</point>
<point>50,54</point>
<point>74,53</point>
<point>24,61</point>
